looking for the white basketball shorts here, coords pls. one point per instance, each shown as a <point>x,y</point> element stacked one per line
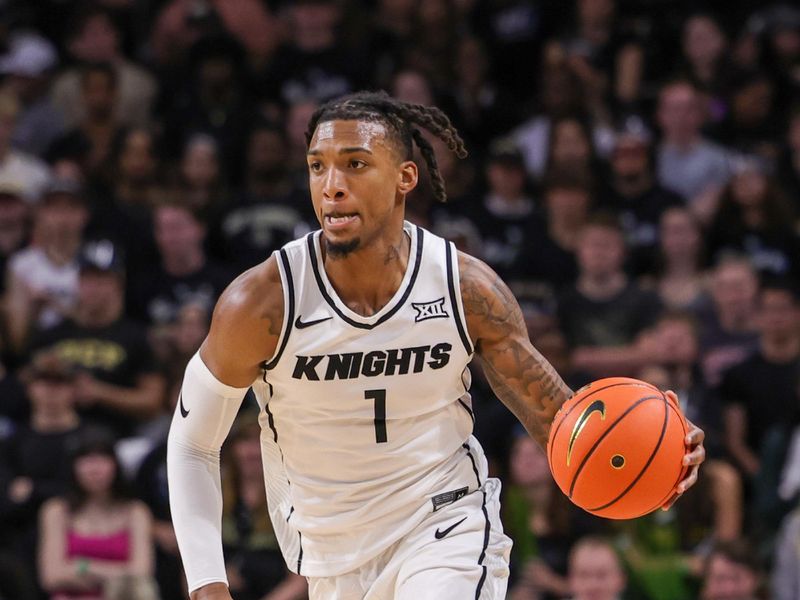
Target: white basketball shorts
<point>458,552</point>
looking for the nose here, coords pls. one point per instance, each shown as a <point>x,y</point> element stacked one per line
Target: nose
<point>334,187</point>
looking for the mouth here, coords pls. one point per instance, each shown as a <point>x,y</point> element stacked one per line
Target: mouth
<point>336,221</point>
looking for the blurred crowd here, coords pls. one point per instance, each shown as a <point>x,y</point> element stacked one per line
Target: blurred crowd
<point>634,175</point>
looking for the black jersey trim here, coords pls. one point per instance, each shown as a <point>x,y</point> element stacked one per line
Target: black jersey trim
<point>321,284</point>
<point>462,330</point>
<point>289,295</point>
<point>486,531</point>
<point>300,554</point>
<point>468,409</point>
<point>472,460</point>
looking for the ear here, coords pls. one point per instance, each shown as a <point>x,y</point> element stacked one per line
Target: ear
<point>407,177</point>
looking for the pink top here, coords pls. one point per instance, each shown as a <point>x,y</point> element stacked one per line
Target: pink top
<point>114,547</point>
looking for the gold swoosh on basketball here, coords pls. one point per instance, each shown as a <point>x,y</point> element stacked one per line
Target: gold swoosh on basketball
<point>596,406</point>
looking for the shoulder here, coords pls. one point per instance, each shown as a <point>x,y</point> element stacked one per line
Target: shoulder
<point>246,325</point>
<point>54,509</point>
<point>138,511</point>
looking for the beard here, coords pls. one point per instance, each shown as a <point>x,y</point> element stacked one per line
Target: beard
<point>338,250</point>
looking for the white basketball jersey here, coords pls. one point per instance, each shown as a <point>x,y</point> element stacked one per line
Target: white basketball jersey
<point>366,421</point>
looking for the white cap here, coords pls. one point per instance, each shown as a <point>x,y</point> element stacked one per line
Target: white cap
<point>29,54</point>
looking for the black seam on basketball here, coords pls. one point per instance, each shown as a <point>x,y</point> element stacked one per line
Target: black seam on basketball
<point>472,460</point>
<point>603,436</point>
<point>589,395</point>
<point>646,465</point>
<point>486,531</point>
<point>682,473</point>
<point>290,314</point>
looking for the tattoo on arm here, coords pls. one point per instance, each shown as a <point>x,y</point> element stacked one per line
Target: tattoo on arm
<point>520,376</point>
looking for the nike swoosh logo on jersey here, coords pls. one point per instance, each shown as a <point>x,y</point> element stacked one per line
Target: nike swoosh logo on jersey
<point>303,324</point>
<point>440,534</point>
<point>184,412</point>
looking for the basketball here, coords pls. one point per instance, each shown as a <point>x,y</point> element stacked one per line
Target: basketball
<point>616,448</point>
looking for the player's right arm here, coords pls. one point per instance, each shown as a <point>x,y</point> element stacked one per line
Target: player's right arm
<point>244,332</point>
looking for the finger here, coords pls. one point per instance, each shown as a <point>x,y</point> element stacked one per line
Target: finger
<point>695,435</point>
<point>695,457</point>
<point>689,481</point>
<point>668,504</point>
<point>673,397</point>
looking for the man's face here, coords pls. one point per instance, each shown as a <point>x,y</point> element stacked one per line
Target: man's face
<point>679,113</point>
<point>727,580</point>
<point>629,158</point>
<point>778,314</point>
<point>176,230</point>
<point>99,93</point>
<point>734,288</point>
<point>600,251</point>
<point>61,215</point>
<point>595,574</point>
<point>358,181</point>
<point>97,42</point>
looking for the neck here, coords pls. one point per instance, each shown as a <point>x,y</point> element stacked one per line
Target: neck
<point>367,278</point>
<point>102,317</point>
<point>44,422</point>
<point>735,322</point>
<point>683,142</point>
<point>184,264</point>
<point>780,348</point>
<point>680,268</point>
<point>62,249</point>
<point>602,287</point>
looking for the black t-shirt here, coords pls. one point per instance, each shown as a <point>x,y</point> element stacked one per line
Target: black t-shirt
<point>613,322</point>
<point>639,217</point>
<point>766,390</point>
<point>542,259</point>
<point>117,354</point>
<point>156,297</point>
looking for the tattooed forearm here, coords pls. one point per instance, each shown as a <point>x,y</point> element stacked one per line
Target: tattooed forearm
<point>519,375</point>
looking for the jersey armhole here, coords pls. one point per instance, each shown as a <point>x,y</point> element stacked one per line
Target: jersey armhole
<point>454,288</point>
<point>287,284</point>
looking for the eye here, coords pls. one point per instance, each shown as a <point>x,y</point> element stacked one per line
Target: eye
<point>315,166</point>
<point>357,164</point>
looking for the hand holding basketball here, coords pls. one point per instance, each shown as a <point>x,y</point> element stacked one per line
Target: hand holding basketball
<point>618,448</point>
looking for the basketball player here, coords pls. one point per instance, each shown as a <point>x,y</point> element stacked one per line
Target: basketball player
<point>356,341</point>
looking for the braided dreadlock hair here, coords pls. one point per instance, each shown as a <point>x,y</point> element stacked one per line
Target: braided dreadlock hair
<point>400,119</point>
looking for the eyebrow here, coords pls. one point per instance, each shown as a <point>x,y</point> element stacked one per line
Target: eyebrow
<point>348,150</point>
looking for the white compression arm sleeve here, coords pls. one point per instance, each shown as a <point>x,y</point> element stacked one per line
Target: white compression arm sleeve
<point>204,415</point>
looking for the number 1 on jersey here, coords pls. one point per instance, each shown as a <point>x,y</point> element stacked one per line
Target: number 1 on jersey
<point>380,413</point>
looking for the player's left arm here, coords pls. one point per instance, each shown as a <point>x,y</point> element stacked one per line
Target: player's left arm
<point>519,375</point>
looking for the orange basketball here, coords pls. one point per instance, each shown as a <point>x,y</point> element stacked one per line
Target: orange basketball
<point>616,448</point>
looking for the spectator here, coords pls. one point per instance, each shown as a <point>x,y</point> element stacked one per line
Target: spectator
<point>679,279</point>
<point>265,213</point>
<point>571,146</point>
<point>313,64</point>
<point>33,460</point>
<point>118,386</point>
<point>255,567</point>
<point>686,162</point>
<point>29,172</point>
<point>94,37</point>
<point>505,214</point>
<point>90,141</point>
<point>201,180</point>
<point>543,524</point>
<point>595,570</point>
<point>95,532</point>
<point>728,333</point>
<point>755,219</point>
<point>604,313</point>
<point>551,244</point>
<point>789,160</point>
<point>28,68</point>
<point>675,335</point>
<point>181,23</point>
<point>706,63</point>
<point>14,224</point>
<point>608,62</point>
<point>561,97</point>
<point>185,274</point>
<point>732,572</point>
<point>762,391</point>
<point>43,278</point>
<point>634,195</point>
